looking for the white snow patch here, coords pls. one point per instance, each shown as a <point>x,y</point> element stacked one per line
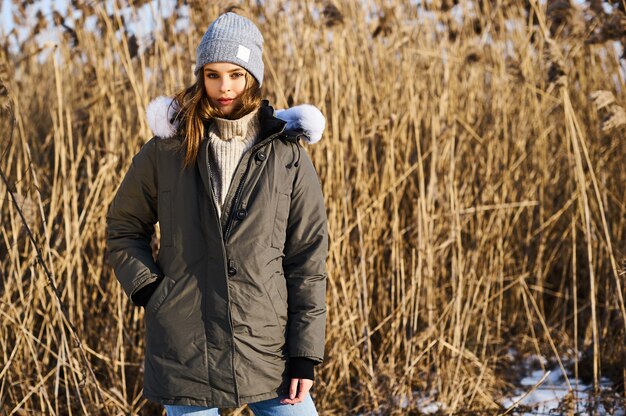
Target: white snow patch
<point>551,396</point>
<point>428,407</point>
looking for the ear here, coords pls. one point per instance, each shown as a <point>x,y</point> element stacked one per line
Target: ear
<point>159,113</point>
<point>306,117</point>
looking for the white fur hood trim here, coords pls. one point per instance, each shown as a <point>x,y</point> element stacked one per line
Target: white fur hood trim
<point>305,116</point>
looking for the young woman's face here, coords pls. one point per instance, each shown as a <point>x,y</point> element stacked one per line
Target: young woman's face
<point>224,83</point>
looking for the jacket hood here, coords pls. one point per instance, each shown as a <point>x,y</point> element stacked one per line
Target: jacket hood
<point>162,110</point>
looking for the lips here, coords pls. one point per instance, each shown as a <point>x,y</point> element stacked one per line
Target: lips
<point>225,101</point>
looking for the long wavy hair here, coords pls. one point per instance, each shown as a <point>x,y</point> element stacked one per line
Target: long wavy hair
<point>195,109</point>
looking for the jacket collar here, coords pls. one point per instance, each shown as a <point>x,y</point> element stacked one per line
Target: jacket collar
<point>269,123</point>
<point>269,127</point>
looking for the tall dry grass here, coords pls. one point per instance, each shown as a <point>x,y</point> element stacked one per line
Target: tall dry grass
<point>473,169</point>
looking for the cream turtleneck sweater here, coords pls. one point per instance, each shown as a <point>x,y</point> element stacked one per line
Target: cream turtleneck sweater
<point>228,140</point>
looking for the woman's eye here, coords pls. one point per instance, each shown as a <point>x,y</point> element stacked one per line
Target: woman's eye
<point>238,74</point>
<point>211,75</point>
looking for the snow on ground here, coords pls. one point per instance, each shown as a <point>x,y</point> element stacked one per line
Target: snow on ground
<point>548,393</point>
<point>429,407</point>
<point>539,392</point>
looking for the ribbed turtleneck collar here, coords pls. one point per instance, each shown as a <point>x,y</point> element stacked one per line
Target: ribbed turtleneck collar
<point>239,128</point>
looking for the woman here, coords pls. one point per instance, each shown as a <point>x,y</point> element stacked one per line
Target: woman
<point>235,302</point>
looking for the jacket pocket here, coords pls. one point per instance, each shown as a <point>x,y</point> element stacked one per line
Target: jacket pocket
<point>165,218</point>
<point>160,294</point>
<point>279,229</point>
<point>277,298</point>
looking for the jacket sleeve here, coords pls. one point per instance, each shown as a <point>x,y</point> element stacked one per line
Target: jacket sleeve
<point>306,249</point>
<point>130,224</point>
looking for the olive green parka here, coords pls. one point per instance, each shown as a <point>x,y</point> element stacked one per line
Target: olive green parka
<point>238,295</point>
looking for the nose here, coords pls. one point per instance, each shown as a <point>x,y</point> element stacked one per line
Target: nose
<point>225,84</point>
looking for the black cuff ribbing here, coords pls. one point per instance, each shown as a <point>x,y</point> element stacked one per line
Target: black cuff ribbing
<point>142,297</point>
<point>301,367</point>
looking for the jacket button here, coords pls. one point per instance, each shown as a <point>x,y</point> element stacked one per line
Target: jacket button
<point>261,156</point>
<point>232,271</point>
<point>241,213</point>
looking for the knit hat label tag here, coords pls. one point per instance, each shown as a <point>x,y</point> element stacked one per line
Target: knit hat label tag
<point>243,53</point>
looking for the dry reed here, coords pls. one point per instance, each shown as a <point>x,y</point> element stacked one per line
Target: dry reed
<point>473,169</point>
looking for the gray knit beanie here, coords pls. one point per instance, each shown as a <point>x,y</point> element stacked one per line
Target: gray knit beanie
<point>235,39</point>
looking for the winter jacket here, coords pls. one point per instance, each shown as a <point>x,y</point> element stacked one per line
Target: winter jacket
<point>235,296</point>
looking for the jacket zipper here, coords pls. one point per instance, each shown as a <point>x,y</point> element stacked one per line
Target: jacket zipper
<point>225,237</point>
<point>230,318</point>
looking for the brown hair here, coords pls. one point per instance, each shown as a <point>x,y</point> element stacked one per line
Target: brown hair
<point>196,108</point>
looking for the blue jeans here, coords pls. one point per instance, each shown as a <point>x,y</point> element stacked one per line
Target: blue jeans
<point>271,407</point>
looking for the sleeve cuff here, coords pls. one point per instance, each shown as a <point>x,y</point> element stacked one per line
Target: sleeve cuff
<point>143,295</point>
<point>301,367</point>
